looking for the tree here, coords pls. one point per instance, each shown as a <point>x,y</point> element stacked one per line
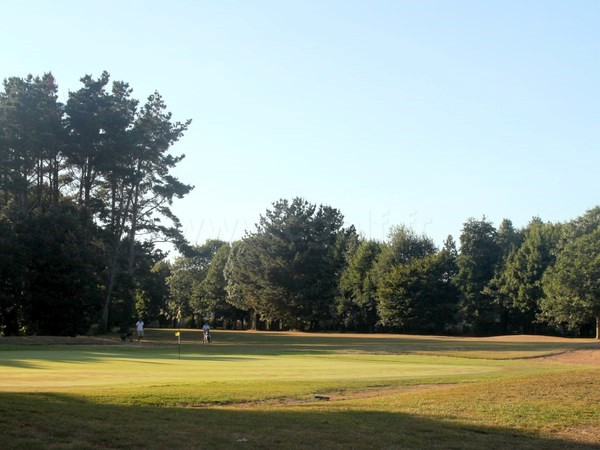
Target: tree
<point>188,273</point>
<point>104,157</point>
<point>518,286</point>
<point>287,269</point>
<point>477,262</point>
<point>585,224</point>
<point>356,305</point>
<point>211,294</point>
<point>445,315</point>
<point>31,140</point>
<point>61,291</point>
<point>411,295</point>
<point>210,259</point>
<point>508,240</point>
<point>572,285</point>
<point>404,245</point>
<point>244,281</point>
<point>12,275</point>
<point>152,292</point>
<point>99,125</point>
<point>122,169</point>
<point>418,295</point>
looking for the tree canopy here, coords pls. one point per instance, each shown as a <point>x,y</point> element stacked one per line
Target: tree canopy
<point>86,193</point>
<point>286,269</point>
<point>572,285</point>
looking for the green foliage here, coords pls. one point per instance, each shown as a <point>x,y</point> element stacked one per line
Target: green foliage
<point>99,125</point>
<point>572,285</point>
<point>287,269</point>
<point>151,290</point>
<point>31,139</point>
<point>585,224</point>
<point>187,275</point>
<point>417,296</point>
<point>518,285</point>
<point>239,282</point>
<point>12,275</point>
<point>211,293</point>
<point>86,190</point>
<point>479,256</point>
<point>62,287</point>
<point>508,238</point>
<point>356,305</point>
<point>98,158</point>
<point>404,246</point>
<point>411,281</point>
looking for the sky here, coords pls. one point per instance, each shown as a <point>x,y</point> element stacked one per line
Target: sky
<point>422,113</point>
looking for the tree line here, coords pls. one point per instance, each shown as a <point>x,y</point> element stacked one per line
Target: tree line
<point>85,196</point>
<point>302,269</point>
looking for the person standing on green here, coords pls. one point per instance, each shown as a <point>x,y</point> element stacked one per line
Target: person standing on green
<point>139,326</point>
<point>206,331</point>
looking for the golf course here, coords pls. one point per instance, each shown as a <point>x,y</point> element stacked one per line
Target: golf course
<point>296,390</point>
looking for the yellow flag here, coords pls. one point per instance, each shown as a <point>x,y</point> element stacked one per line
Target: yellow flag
<point>177,334</point>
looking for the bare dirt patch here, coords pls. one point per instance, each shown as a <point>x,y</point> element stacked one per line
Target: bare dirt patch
<point>534,338</point>
<point>333,396</point>
<point>589,357</point>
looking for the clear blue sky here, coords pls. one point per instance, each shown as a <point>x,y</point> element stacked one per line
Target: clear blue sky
<point>421,112</point>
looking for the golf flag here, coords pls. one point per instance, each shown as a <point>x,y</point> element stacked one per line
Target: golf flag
<point>177,334</point>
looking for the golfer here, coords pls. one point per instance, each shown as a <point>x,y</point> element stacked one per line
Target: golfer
<point>139,326</point>
<point>206,330</point>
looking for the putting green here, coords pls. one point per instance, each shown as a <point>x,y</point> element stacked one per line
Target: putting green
<point>84,367</point>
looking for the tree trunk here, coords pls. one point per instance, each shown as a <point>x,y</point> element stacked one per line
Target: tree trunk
<point>55,184</point>
<point>112,269</point>
<point>112,276</point>
<point>598,327</point>
<point>133,230</point>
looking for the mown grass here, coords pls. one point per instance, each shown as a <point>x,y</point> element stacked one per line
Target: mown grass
<point>257,390</point>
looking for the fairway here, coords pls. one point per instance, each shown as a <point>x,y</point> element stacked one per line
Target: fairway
<point>248,357</point>
<point>276,379</point>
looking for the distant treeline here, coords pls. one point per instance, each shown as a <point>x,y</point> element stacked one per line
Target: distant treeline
<point>85,194</point>
<point>301,269</point>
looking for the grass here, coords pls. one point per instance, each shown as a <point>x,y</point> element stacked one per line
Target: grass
<point>258,390</point>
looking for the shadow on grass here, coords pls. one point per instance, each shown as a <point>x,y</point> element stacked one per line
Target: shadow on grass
<point>42,420</point>
<point>31,359</point>
<point>80,356</point>
<point>274,342</point>
<point>162,344</point>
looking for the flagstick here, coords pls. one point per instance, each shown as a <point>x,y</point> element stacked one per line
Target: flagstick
<point>179,341</point>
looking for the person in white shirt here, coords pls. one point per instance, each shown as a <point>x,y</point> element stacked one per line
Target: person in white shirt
<point>206,331</point>
<point>139,326</point>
